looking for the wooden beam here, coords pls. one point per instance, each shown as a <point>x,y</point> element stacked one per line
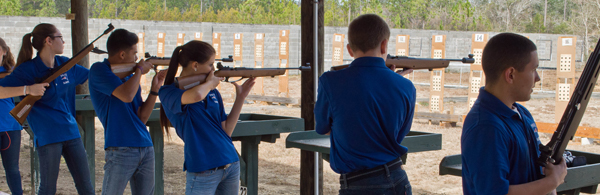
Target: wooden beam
<point>79,36</point>
<point>438,116</point>
<point>307,159</point>
<point>283,100</point>
<point>589,132</point>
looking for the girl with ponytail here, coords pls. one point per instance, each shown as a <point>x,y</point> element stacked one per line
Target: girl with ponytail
<point>199,118</point>
<point>52,117</point>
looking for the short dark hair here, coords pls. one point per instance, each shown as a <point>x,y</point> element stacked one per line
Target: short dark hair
<point>366,32</point>
<point>120,40</point>
<point>503,51</point>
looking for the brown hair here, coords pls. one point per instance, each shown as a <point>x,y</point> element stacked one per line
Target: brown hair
<point>193,51</point>
<point>366,32</point>
<point>503,51</point>
<point>8,61</point>
<point>39,34</point>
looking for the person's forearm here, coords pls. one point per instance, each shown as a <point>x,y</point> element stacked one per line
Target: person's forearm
<point>146,108</point>
<point>127,91</point>
<point>542,187</point>
<point>233,116</point>
<point>195,94</point>
<point>8,92</point>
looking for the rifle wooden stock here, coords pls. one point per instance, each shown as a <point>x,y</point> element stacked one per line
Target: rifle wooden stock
<point>188,82</point>
<point>124,70</point>
<point>22,109</point>
<point>415,63</point>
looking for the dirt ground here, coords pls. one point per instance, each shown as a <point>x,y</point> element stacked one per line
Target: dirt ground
<point>279,171</point>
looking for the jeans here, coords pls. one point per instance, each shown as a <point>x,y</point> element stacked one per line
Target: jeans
<point>76,159</point>
<point>129,164</point>
<point>10,146</point>
<point>384,181</point>
<point>221,181</point>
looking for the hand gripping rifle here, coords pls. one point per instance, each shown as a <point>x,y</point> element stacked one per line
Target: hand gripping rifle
<point>124,70</point>
<point>416,63</point>
<point>227,72</point>
<point>553,151</point>
<point>22,109</point>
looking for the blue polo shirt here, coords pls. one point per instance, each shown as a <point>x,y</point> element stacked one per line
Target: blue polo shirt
<point>368,109</point>
<point>7,122</point>
<point>52,118</point>
<point>122,125</point>
<point>499,147</point>
<point>199,125</point>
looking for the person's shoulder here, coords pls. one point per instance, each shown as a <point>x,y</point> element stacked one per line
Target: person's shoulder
<point>29,64</point>
<point>99,66</point>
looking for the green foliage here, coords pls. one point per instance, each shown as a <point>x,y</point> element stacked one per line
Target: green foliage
<point>10,7</point>
<point>562,16</point>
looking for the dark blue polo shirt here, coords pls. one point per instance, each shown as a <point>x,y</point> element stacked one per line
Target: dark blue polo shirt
<point>499,147</point>
<point>122,125</point>
<point>368,109</point>
<point>199,125</point>
<point>7,122</point>
<point>52,118</point>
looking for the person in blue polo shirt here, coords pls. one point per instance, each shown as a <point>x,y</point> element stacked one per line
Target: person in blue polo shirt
<point>52,118</point>
<point>500,141</point>
<point>10,129</point>
<point>129,152</point>
<point>199,118</point>
<point>367,109</point>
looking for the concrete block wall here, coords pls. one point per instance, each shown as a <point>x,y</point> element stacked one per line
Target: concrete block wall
<point>458,43</point>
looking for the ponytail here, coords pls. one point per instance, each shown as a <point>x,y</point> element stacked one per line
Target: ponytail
<point>26,52</point>
<point>8,61</point>
<point>169,79</point>
<point>35,39</point>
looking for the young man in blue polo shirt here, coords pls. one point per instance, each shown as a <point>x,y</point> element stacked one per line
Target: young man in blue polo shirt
<point>119,106</point>
<point>367,109</point>
<point>499,140</point>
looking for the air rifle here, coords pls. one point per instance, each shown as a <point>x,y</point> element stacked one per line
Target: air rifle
<point>124,70</point>
<point>188,82</point>
<point>21,110</point>
<point>553,151</point>
<point>416,63</point>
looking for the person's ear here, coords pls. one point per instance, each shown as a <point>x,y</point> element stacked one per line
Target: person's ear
<point>48,40</point>
<point>349,50</point>
<point>509,75</point>
<point>122,55</point>
<point>195,65</point>
<point>384,45</point>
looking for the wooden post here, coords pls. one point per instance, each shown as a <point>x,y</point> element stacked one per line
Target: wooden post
<point>307,158</point>
<point>237,49</point>
<point>141,47</point>
<point>259,56</point>
<point>402,46</point>
<point>338,49</point>
<point>565,74</point>
<point>160,51</point>
<point>79,36</point>
<point>198,36</point>
<point>284,57</point>
<point>180,39</point>
<point>216,40</point>
<point>436,97</point>
<point>476,76</point>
